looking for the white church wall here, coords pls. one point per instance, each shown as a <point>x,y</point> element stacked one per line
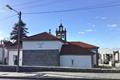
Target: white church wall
<point>41,45</point>
<point>80,61</point>
<point>1,55</point>
<point>12,54</point>
<point>94,59</point>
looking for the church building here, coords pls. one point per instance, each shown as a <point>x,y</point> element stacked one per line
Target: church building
<point>45,49</point>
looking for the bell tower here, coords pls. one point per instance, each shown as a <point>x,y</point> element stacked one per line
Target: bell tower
<point>61,32</point>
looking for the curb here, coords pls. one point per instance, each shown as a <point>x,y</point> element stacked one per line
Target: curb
<point>55,78</point>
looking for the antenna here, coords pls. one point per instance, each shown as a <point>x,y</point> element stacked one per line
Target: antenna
<point>61,21</point>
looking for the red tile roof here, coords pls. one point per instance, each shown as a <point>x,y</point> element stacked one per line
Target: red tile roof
<point>76,48</point>
<point>83,45</point>
<point>42,37</point>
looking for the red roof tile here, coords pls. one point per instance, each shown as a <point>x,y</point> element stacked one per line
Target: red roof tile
<point>42,37</point>
<point>76,48</point>
<point>83,45</point>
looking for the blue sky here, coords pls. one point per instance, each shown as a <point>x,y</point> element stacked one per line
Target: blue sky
<point>98,26</point>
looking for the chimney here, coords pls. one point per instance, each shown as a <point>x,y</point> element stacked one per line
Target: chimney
<point>49,31</point>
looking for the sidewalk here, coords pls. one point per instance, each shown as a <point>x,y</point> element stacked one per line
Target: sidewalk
<point>75,75</point>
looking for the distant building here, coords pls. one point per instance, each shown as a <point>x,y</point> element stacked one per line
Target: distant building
<point>110,57</point>
<point>45,49</point>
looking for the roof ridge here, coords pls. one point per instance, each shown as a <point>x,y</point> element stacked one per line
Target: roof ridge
<point>37,34</point>
<point>83,43</point>
<point>42,36</point>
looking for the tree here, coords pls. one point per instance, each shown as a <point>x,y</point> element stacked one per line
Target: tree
<point>23,32</point>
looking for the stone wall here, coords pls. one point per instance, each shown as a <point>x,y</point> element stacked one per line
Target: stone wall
<point>41,57</point>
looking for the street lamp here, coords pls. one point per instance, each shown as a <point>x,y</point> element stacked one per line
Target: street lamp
<point>19,31</point>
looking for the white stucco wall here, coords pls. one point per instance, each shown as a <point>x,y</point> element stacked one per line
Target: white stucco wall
<point>1,55</point>
<point>94,59</point>
<point>41,45</point>
<point>13,52</point>
<point>81,61</point>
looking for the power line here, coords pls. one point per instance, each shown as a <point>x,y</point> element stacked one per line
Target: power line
<point>25,3</point>
<point>36,3</point>
<point>41,4</point>
<point>75,9</point>
<point>68,10</point>
<point>111,2</point>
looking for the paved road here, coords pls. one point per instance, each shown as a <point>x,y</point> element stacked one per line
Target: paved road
<point>58,79</point>
<point>58,76</point>
<point>45,79</point>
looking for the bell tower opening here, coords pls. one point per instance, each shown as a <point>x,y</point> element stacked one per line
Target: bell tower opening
<point>61,32</point>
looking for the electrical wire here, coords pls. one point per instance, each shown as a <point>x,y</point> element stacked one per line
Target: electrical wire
<point>25,3</point>
<point>75,9</point>
<point>68,10</point>
<point>41,4</point>
<point>36,4</point>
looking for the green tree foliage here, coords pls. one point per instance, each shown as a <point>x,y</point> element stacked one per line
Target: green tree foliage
<point>23,32</point>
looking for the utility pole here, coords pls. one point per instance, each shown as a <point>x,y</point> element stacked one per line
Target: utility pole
<point>19,36</point>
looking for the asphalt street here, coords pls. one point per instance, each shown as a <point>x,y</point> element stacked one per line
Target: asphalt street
<point>58,76</point>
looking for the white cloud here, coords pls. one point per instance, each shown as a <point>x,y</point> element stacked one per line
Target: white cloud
<point>81,32</point>
<point>93,25</point>
<point>87,31</point>
<point>112,25</point>
<point>101,17</point>
<point>90,30</point>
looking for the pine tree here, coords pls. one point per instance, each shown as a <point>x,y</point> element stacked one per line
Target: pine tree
<point>23,32</point>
